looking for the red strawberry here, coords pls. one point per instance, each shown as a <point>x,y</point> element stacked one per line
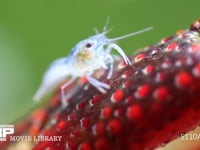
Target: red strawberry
<point>150,103</point>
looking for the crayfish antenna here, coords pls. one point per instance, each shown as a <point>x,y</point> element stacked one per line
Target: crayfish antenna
<point>131,34</point>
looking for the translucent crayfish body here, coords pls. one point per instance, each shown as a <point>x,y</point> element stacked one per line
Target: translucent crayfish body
<point>87,56</point>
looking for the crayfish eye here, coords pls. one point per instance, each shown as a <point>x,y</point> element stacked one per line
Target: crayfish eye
<point>88,45</point>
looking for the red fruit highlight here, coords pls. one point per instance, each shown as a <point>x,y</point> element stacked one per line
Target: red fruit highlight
<point>134,112</point>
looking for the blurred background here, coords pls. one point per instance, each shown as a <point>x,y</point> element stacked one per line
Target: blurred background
<point>34,33</point>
